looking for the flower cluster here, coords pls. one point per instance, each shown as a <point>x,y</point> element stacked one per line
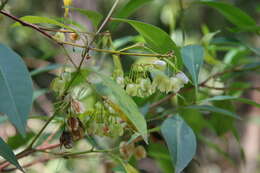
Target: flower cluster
<point>141,83</point>
<point>104,121</point>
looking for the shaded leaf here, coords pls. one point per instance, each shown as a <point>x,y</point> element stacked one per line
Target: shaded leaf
<point>232,13</point>
<point>192,57</point>
<point>180,140</point>
<point>17,141</point>
<point>214,109</point>
<point>7,153</point>
<point>243,100</point>
<point>15,89</point>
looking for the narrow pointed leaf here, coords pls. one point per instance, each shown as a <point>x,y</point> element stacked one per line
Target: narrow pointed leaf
<point>233,14</point>
<point>7,153</point>
<point>239,99</point>
<point>180,140</point>
<point>214,109</point>
<point>157,39</point>
<point>42,20</point>
<point>15,88</point>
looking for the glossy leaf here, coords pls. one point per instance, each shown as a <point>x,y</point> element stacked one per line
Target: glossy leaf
<point>124,103</point>
<point>157,39</point>
<point>180,140</point>
<point>7,153</point>
<point>214,109</point>
<point>192,57</point>
<point>232,13</point>
<point>129,8</point>
<point>93,16</point>
<point>42,20</point>
<point>15,89</point>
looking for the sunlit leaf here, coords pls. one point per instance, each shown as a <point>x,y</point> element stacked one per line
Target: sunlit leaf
<point>157,39</point>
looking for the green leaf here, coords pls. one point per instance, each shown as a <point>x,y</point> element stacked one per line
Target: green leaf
<point>7,153</point>
<point>219,121</point>
<point>233,14</point>
<point>93,16</point>
<point>42,20</point>
<point>157,39</point>
<point>129,8</point>
<point>192,57</point>
<point>180,140</point>
<point>17,141</point>
<point>107,87</point>
<point>162,157</point>
<point>15,88</point>
<point>243,100</point>
<point>214,109</point>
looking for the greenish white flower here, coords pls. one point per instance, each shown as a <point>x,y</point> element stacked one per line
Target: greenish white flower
<point>183,77</point>
<point>120,80</point>
<point>176,84</point>
<point>159,64</point>
<point>132,89</point>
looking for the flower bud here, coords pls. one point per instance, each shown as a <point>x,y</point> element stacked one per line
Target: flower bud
<point>59,36</point>
<point>159,64</point>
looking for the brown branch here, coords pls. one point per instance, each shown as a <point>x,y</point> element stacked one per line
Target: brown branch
<point>28,152</point>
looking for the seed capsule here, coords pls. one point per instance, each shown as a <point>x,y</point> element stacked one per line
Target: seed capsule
<point>140,152</point>
<point>66,140</point>
<point>74,36</point>
<point>73,123</point>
